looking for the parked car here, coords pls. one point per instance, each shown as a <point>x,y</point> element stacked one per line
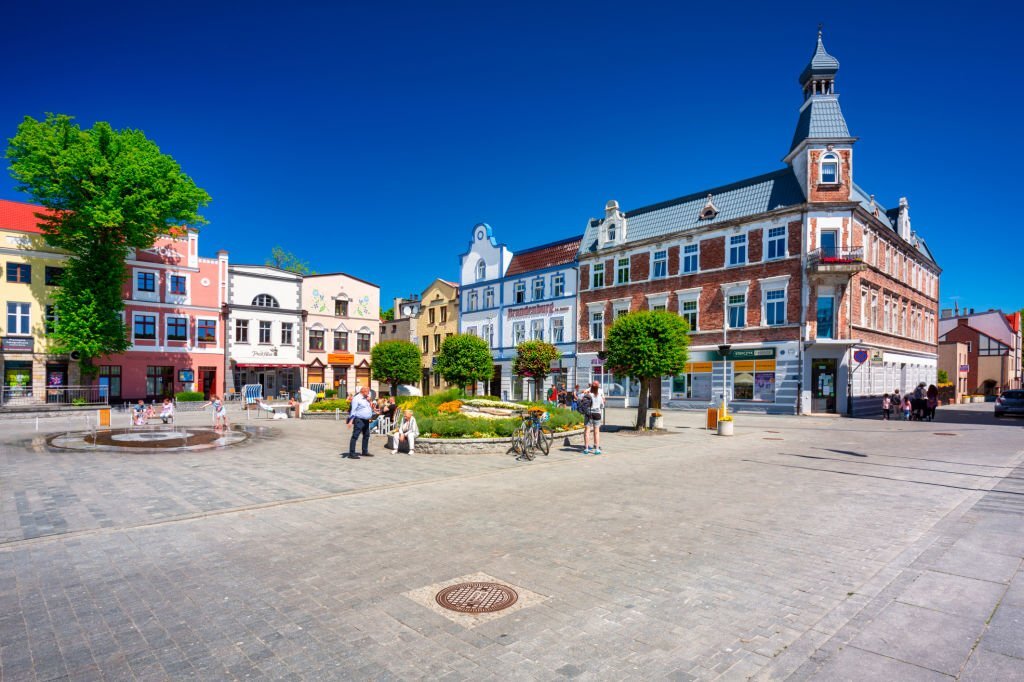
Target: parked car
<point>1010,402</point>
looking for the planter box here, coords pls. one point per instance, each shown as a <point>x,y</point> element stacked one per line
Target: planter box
<point>725,428</point>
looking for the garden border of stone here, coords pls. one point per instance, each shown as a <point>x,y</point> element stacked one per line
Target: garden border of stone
<point>473,446</point>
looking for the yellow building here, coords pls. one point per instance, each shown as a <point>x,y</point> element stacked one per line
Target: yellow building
<point>31,269</point>
<point>438,319</point>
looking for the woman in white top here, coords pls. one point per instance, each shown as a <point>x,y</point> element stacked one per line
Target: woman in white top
<point>592,404</point>
<point>408,430</point>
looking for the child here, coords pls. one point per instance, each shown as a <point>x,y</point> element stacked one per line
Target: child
<point>167,411</point>
<point>906,408</point>
<point>220,413</point>
<point>140,413</point>
<point>886,407</point>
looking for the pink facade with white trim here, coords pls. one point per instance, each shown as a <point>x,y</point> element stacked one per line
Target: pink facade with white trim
<point>174,317</point>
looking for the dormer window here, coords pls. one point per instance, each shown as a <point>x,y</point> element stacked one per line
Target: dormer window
<point>829,169</point>
<point>610,234</point>
<point>481,271</point>
<point>709,211</point>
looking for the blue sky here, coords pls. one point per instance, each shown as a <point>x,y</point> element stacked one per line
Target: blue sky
<point>370,138</point>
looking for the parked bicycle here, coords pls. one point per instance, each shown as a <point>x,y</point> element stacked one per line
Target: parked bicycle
<point>532,435</point>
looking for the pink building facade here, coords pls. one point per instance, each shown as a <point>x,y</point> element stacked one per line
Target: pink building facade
<point>174,317</point>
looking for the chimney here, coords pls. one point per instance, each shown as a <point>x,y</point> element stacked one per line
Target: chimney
<point>946,312</point>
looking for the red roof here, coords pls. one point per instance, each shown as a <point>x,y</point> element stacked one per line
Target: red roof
<point>547,256</point>
<point>1014,320</point>
<point>15,215</point>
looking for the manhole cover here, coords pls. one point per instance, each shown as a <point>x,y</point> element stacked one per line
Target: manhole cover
<point>477,597</point>
<point>945,434</point>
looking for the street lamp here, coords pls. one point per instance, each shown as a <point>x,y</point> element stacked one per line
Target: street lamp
<point>723,350</point>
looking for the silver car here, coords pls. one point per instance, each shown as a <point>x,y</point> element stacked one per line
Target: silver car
<point>1010,402</point>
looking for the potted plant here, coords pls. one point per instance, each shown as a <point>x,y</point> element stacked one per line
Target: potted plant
<point>656,420</point>
<point>725,426</point>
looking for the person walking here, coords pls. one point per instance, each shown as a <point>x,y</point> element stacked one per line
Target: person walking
<point>592,406</point>
<point>886,406</point>
<point>906,407</point>
<point>933,401</point>
<point>407,432</point>
<point>361,413</point>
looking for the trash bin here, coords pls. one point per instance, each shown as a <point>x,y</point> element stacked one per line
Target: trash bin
<point>712,418</point>
<point>103,416</point>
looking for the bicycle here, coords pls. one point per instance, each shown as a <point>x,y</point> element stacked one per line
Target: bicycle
<point>531,435</point>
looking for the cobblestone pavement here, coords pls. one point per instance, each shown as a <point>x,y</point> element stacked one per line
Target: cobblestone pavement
<point>801,548</point>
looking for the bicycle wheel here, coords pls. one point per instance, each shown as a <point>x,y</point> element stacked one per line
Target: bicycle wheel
<point>546,438</point>
<point>518,442</point>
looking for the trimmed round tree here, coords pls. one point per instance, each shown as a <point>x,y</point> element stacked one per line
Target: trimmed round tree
<point>464,360</point>
<point>646,346</point>
<point>107,191</point>
<point>396,362</point>
<point>533,361</point>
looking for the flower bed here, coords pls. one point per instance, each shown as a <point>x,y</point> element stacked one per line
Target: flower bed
<point>479,446</point>
<point>452,414</point>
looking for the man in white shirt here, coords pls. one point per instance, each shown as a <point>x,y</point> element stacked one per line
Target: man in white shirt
<point>361,413</point>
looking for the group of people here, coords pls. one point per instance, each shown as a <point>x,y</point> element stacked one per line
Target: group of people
<point>365,413</point>
<point>918,405</point>
<point>142,413</point>
<point>564,397</point>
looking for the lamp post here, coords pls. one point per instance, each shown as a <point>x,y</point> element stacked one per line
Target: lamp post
<point>723,350</point>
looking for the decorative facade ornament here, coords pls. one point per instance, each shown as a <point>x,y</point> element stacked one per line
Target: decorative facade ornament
<point>709,211</point>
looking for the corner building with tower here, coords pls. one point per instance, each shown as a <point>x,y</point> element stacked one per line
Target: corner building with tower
<point>803,293</point>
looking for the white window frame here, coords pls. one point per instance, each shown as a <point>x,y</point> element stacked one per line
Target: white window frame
<point>290,328</point>
<point>269,327</point>
<point>167,328</point>
<point>22,314</point>
<point>596,316</point>
<point>829,157</point>
<point>560,328</point>
<point>737,247</point>
<point>172,296</point>
<point>156,325</point>
<point>741,305</point>
<point>657,300</point>
<point>557,285</point>
<point>684,296</point>
<point>481,270</point>
<point>215,326</point>
<point>518,288</point>
<point>474,301</point>
<point>140,295</point>
<point>539,286</point>
<point>769,240</point>
<point>488,300</point>
<point>234,331</point>
<point>684,256</point>
<point>662,261</point>
<point>518,332</point>
<point>735,289</point>
<point>537,329</point>
<point>874,310</point>
<point>764,305</point>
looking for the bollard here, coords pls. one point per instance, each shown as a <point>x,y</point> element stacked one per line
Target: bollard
<point>337,414</point>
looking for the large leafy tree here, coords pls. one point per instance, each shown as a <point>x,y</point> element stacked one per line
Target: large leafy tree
<point>286,260</point>
<point>396,362</point>
<point>107,191</point>
<point>533,360</point>
<point>464,360</point>
<point>646,346</point>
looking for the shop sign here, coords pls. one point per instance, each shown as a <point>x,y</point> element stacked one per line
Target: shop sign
<point>341,359</point>
<point>186,376</point>
<point>877,358</point>
<point>17,344</point>
<point>751,353</point>
<point>965,368</point>
<point>538,309</point>
<point>265,353</point>
<point>699,367</point>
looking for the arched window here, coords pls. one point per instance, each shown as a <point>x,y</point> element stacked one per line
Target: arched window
<point>611,232</point>
<point>829,170</point>
<point>481,271</point>
<point>265,301</point>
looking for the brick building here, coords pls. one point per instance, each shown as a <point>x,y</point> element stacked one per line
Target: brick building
<point>825,298</point>
<point>993,349</point>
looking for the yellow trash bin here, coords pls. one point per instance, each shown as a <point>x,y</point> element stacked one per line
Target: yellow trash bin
<point>103,416</point>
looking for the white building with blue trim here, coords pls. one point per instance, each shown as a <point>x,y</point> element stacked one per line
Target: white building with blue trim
<point>508,298</point>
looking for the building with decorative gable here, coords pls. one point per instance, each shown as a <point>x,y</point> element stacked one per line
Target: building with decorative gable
<point>437,320</point>
<point>802,292</point>
<point>509,298</point>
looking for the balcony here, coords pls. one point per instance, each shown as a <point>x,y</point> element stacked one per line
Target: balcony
<point>836,261</point>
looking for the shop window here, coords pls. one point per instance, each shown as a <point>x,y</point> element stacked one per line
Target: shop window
<point>52,275</point>
<point>19,272</point>
<point>145,327</point>
<point>316,339</point>
<point>159,381</point>
<point>363,342</point>
<point>206,331</point>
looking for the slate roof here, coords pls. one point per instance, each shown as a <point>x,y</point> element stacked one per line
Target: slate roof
<point>737,200</point>
<point>545,256</point>
<point>15,215</point>
<point>821,64</point>
<point>890,219</point>
<point>821,118</point>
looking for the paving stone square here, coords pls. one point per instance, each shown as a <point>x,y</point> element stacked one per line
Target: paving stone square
<point>848,545</point>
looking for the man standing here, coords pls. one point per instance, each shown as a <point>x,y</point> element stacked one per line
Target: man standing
<point>361,413</point>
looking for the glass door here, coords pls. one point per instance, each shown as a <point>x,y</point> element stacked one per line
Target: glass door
<point>823,382</point>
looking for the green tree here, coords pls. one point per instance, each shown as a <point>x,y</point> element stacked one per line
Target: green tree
<point>464,360</point>
<point>396,362</point>
<point>107,191</point>
<point>286,260</point>
<point>942,376</point>
<point>533,360</point>
<point>387,315</point>
<point>646,346</point>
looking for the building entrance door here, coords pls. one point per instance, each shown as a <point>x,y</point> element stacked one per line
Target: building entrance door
<point>823,385</point>
<point>425,384</point>
<point>207,381</point>
<point>495,387</point>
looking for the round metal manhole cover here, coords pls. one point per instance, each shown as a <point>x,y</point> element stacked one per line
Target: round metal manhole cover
<point>477,597</point>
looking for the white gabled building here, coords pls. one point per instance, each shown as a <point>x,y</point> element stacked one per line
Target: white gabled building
<point>264,330</point>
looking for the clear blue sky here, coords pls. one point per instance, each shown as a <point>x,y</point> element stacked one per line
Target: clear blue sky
<point>370,138</point>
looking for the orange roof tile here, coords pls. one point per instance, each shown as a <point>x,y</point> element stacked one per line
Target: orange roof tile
<point>546,256</point>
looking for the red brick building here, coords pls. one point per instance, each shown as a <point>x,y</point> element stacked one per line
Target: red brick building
<point>825,298</point>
